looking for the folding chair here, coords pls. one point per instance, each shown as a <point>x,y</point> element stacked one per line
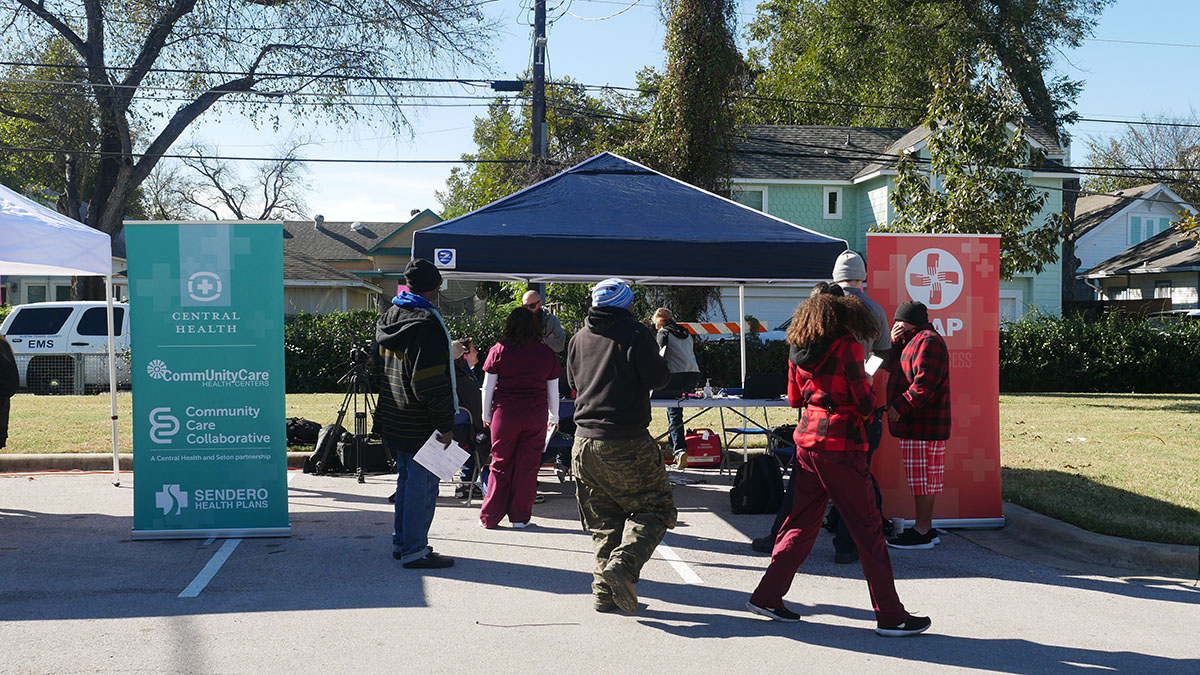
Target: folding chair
<point>464,435</point>
<point>561,441</point>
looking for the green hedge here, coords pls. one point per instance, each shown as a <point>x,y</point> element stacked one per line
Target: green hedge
<point>317,346</point>
<point>1117,354</point>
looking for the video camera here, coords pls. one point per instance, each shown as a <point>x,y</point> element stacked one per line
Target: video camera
<point>362,352</point>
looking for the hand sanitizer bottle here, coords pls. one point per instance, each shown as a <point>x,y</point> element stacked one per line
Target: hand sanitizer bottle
<point>708,388</point>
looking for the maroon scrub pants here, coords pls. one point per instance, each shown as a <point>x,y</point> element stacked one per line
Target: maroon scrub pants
<point>518,439</point>
<point>844,477</point>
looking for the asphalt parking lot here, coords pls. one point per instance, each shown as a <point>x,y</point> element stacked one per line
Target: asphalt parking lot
<point>78,595</point>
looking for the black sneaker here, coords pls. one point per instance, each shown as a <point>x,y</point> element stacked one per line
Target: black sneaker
<point>910,538</point>
<point>914,626</point>
<point>763,544</point>
<point>774,613</point>
<point>431,561</point>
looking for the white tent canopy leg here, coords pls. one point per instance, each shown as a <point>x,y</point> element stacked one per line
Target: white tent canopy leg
<point>112,380</point>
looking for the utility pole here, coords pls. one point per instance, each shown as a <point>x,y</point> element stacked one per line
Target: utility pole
<point>537,126</point>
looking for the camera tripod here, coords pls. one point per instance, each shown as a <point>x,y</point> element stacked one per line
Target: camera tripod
<point>361,400</point>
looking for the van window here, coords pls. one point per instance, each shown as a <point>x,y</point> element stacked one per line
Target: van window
<point>95,321</point>
<point>39,320</point>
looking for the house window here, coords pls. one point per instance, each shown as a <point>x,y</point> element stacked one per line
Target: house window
<point>62,293</point>
<point>833,203</point>
<point>1135,230</point>
<point>35,293</point>
<point>1012,305</point>
<point>755,198</point>
<point>1162,289</point>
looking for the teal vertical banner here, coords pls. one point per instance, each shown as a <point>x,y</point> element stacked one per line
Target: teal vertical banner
<point>206,324</point>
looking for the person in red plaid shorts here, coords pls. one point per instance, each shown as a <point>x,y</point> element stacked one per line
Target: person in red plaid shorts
<point>826,378</point>
<point>918,413</point>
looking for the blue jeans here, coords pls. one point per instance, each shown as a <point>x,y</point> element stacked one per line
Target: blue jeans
<point>679,383</point>
<point>416,497</point>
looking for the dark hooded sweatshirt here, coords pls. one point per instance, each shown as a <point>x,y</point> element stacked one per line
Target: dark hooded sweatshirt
<point>613,363</point>
<point>415,394</point>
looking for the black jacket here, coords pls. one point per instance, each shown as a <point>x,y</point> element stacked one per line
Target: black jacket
<point>10,379</point>
<point>415,395</point>
<point>613,363</point>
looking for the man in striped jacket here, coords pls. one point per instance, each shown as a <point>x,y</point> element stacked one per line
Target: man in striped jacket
<point>416,400</point>
<point>919,414</point>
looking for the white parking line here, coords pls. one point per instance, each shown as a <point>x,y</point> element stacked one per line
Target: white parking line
<point>210,570</point>
<point>673,559</point>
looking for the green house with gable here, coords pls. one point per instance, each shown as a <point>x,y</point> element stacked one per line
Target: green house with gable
<point>838,180</point>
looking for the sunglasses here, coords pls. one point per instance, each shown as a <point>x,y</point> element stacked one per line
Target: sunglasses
<point>533,305</point>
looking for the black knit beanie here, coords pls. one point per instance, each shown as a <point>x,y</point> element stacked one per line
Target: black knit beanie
<point>421,276</point>
<point>913,312</point>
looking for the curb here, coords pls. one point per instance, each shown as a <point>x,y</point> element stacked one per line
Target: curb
<point>1030,535</point>
<point>91,461</point>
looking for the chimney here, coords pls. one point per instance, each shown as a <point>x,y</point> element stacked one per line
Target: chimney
<point>317,221</point>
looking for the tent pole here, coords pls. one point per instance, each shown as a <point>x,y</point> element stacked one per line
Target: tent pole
<point>742,327</point>
<point>742,335</point>
<point>112,380</point>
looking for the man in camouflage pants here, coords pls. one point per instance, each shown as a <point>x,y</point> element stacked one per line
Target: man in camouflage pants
<point>624,497</point>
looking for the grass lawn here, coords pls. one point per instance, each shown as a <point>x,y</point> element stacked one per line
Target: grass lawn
<point>1125,465</point>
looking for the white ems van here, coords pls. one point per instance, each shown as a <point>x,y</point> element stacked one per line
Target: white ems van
<point>62,347</point>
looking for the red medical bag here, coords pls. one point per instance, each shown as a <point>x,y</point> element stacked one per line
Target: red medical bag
<point>703,447</point>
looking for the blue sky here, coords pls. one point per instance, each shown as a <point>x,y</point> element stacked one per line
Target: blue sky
<point>1124,81</point>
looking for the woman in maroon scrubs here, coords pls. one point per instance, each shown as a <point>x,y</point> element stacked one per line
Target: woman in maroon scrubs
<point>520,404</point>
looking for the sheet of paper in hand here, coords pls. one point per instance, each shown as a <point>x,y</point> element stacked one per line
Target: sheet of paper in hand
<point>443,462</point>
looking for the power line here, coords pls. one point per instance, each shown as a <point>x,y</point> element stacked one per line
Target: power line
<point>313,160</point>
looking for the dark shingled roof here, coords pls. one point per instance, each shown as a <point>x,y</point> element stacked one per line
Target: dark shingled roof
<point>335,241</point>
<point>809,152</point>
<point>1168,251</point>
<point>1092,210</point>
<point>841,153</point>
<point>299,267</point>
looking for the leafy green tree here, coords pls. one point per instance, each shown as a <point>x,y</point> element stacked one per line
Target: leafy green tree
<point>578,126</point>
<point>979,165</point>
<point>691,123</point>
<point>34,114</point>
<point>177,59</point>
<point>879,58</point>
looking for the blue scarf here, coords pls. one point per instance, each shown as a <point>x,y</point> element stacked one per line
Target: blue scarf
<point>410,300</point>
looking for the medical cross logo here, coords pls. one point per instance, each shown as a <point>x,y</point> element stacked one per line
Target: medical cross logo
<point>204,286</point>
<point>934,277</point>
<point>170,496</point>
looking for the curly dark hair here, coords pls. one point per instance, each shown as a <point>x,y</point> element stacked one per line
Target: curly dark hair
<point>819,316</point>
<point>521,328</point>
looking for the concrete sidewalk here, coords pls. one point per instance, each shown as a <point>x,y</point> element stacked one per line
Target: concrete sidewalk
<point>77,594</point>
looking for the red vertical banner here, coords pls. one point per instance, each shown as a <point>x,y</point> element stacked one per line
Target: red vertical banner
<point>957,276</point>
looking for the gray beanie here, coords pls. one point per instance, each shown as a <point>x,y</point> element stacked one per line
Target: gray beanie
<point>849,267</point>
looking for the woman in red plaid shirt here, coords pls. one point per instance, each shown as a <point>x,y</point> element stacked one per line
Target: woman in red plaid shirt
<point>826,379</point>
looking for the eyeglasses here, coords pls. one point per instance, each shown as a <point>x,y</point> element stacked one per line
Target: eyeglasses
<point>533,305</point>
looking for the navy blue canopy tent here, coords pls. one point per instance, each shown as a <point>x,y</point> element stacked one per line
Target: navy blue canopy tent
<point>611,217</point>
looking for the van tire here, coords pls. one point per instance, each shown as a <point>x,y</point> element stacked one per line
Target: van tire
<point>53,376</point>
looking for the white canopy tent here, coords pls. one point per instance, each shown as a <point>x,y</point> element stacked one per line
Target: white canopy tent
<point>37,241</point>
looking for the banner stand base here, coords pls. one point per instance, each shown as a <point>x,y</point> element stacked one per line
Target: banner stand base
<point>961,523</point>
<point>231,533</point>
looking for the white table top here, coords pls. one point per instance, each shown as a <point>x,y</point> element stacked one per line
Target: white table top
<point>719,402</point>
